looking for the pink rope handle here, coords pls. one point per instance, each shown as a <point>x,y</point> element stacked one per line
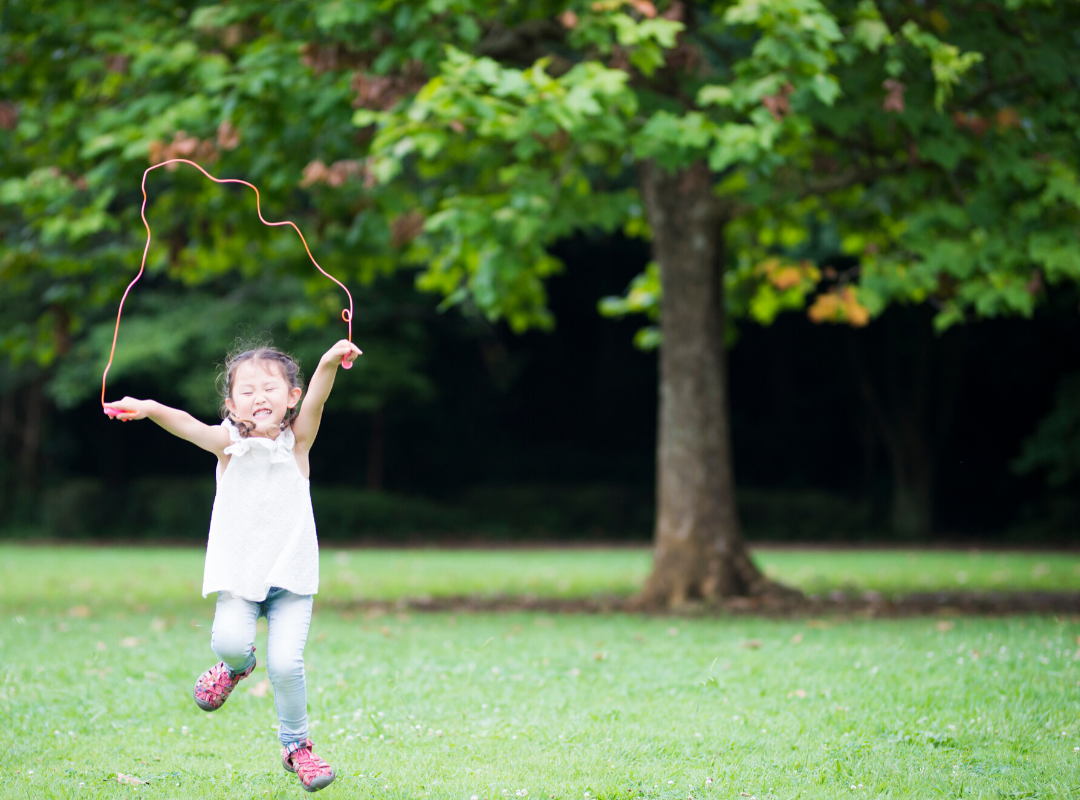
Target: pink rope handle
<point>346,314</point>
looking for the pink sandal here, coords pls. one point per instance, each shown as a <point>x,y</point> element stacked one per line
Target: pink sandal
<point>215,685</point>
<point>313,772</point>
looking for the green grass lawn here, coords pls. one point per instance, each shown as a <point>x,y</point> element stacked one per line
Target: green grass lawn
<point>99,649</point>
<point>90,575</point>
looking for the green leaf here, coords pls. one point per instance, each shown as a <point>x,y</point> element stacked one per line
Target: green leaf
<point>715,95</point>
<point>825,87</point>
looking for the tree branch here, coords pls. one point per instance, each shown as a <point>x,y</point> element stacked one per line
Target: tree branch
<point>522,44</point>
<point>851,177</point>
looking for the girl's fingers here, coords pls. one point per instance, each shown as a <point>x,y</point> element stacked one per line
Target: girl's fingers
<point>121,410</point>
<point>346,349</point>
<point>349,352</point>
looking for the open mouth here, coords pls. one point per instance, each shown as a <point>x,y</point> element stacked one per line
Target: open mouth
<point>262,413</point>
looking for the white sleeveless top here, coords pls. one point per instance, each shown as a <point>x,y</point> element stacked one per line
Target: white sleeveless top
<point>262,530</point>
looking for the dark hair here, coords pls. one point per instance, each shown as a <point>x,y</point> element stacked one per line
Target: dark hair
<point>290,371</point>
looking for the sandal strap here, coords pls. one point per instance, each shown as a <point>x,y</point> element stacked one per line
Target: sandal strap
<point>305,760</point>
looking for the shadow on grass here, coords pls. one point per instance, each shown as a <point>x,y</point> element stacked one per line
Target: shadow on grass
<point>867,604</point>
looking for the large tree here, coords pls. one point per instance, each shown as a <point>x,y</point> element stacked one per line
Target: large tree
<point>633,117</point>
<point>931,144</point>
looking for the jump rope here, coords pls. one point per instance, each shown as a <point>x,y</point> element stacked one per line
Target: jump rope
<point>346,314</point>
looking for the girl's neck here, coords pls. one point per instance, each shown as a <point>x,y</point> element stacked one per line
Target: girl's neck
<point>254,432</point>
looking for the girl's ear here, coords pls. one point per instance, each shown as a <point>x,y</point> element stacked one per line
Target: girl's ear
<point>229,404</point>
<point>294,397</point>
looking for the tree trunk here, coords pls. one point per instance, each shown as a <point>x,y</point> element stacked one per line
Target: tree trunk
<point>699,549</point>
<point>912,514</point>
<point>911,406</point>
<point>898,415</point>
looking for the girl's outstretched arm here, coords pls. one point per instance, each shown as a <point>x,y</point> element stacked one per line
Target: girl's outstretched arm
<point>307,422</point>
<point>179,423</point>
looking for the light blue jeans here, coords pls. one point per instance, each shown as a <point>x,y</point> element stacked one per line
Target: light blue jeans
<point>288,617</point>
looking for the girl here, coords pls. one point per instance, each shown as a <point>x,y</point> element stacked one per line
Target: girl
<point>262,556</point>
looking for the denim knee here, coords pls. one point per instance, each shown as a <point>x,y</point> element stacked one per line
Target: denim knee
<point>284,670</point>
<point>232,647</point>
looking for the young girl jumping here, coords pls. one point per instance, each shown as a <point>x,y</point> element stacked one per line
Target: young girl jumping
<point>262,556</point>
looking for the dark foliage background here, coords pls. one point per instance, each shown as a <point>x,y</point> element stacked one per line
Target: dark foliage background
<point>551,436</point>
<point>884,164</point>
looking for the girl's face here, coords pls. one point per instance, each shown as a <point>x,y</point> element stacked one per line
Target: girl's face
<point>260,394</point>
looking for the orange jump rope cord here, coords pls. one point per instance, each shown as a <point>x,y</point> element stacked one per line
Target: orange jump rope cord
<point>346,314</point>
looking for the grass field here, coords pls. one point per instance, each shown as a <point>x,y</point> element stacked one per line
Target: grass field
<point>143,576</point>
<point>99,648</point>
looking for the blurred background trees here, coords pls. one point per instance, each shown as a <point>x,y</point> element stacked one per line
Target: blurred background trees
<point>896,172</point>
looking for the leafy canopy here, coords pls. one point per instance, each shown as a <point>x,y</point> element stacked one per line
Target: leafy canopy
<point>95,93</point>
<point>864,153</point>
<point>926,153</point>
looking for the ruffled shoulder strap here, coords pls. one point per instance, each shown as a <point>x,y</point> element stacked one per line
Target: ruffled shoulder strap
<point>234,432</point>
<point>239,445</point>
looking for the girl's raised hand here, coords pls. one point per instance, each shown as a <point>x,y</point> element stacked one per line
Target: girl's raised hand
<point>128,408</point>
<point>344,351</point>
